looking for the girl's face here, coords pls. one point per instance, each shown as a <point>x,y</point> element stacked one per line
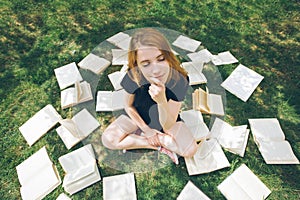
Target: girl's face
<point>153,64</point>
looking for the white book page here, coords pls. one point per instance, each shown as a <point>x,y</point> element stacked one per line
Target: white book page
<point>194,121</point>
<point>224,58</point>
<point>41,184</point>
<point>67,137</point>
<point>186,43</point>
<point>118,37</point>
<point>81,173</point>
<point>104,101</point>
<point>201,56</point>
<point>118,99</point>
<point>195,74</point>
<point>242,82</point>
<point>215,104</point>
<point>86,92</point>
<point>116,78</point>
<point>63,196</point>
<point>250,183</point>
<point>209,157</point>
<point>35,163</point>
<point>94,63</point>
<point>241,150</point>
<point>124,44</point>
<point>233,139</point>
<point>82,183</point>
<point>266,129</point>
<point>68,97</point>
<point>67,75</point>
<point>119,187</point>
<point>73,161</point>
<point>277,152</point>
<point>190,191</point>
<point>85,123</point>
<point>120,57</point>
<point>39,124</point>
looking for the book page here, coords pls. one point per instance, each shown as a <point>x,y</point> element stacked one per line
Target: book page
<point>203,101</point>
<point>241,150</point>
<point>201,56</point>
<point>67,75</point>
<point>194,121</point>
<point>118,37</point>
<point>78,158</point>
<point>85,92</point>
<point>68,138</point>
<point>119,187</point>
<point>68,97</point>
<point>242,82</point>
<point>120,57</point>
<point>224,58</point>
<point>186,43</point>
<point>39,124</point>
<point>116,78</point>
<point>195,74</point>
<point>209,157</point>
<point>94,63</point>
<point>190,191</point>
<point>37,175</point>
<point>104,101</point>
<point>215,104</point>
<point>85,123</point>
<point>266,129</point>
<point>248,185</point>
<point>118,100</point>
<point>277,152</point>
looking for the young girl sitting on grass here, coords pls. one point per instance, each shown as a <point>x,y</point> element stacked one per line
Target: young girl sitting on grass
<point>155,86</point>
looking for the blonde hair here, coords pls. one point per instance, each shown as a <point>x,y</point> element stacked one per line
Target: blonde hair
<point>152,37</point>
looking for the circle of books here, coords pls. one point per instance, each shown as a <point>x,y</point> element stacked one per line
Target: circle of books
<point>92,89</point>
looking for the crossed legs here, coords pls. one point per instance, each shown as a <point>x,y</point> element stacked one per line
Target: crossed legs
<point>118,135</point>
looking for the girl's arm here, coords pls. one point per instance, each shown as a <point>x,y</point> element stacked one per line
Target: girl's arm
<point>133,114</point>
<point>168,110</point>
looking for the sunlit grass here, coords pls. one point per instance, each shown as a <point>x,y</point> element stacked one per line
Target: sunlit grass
<point>36,37</point>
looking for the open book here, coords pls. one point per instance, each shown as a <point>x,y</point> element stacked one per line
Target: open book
<point>72,96</point>
<point>232,138</point>
<point>119,57</point>
<point>38,176</point>
<point>39,124</point>
<point>116,78</point>
<point>242,82</point>
<point>110,100</point>
<point>209,157</point>
<point>94,63</point>
<point>76,129</point>
<point>81,169</point>
<point>207,103</point>
<point>194,121</point>
<point>67,75</point>
<point>224,58</point>
<point>270,139</point>
<point>119,187</point>
<point>243,184</point>
<point>186,43</point>
<point>190,191</point>
<point>195,74</point>
<point>121,40</point>
<point>201,56</point>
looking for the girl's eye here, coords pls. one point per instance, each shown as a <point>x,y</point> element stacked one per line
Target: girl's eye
<point>145,64</point>
<point>161,58</point>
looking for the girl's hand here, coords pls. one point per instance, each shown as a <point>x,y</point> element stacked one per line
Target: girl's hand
<point>157,91</point>
<point>152,137</point>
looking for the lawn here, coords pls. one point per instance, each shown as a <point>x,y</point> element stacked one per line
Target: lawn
<point>38,36</point>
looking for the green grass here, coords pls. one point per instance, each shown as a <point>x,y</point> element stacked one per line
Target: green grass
<point>38,36</point>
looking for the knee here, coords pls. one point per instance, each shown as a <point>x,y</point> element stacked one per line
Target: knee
<point>108,140</point>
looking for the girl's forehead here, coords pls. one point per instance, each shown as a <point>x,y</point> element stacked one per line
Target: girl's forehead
<point>147,53</point>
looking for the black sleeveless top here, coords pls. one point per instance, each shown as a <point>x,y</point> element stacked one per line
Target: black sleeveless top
<point>145,105</point>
